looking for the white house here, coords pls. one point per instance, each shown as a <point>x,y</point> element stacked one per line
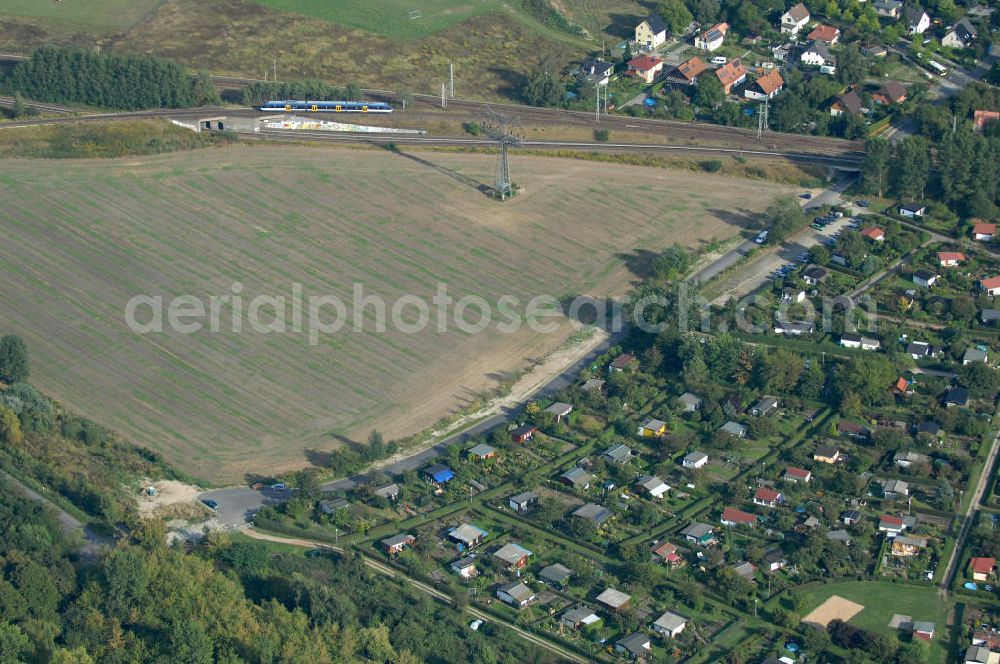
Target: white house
<point>917,20</point>
<point>767,86</point>
<point>669,624</point>
<point>961,35</point>
<point>597,71</point>
<point>924,278</point>
<point>652,32</point>
<point>983,232</point>
<point>912,210</point>
<point>712,38</point>
<point>991,285</point>
<point>794,19</point>
<point>695,460</point>
<point>851,340</point>
<point>817,54</point>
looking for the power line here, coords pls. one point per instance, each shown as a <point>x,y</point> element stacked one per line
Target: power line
<point>499,128</point>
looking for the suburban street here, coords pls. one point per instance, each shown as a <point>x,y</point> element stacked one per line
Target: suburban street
<point>969,518</point>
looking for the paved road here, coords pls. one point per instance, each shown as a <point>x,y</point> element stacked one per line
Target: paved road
<point>239,504</point>
<point>977,496</point>
<point>758,272</point>
<point>92,542</point>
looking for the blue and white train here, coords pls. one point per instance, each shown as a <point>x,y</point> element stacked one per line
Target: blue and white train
<point>291,105</point>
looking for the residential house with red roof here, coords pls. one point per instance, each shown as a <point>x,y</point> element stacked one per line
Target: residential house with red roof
<point>980,118</point>
<point>731,75</point>
<point>825,33</point>
<point>688,71</point>
<point>891,525</point>
<point>767,86</point>
<point>983,232</point>
<point>793,474</point>
<point>667,552</point>
<point>950,258</point>
<point>982,568</point>
<point>874,233</point>
<point>646,67</point>
<point>768,497</point>
<point>734,517</point>
<point>991,285</point>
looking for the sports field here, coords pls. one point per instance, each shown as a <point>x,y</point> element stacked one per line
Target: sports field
<point>83,238</point>
<point>881,601</point>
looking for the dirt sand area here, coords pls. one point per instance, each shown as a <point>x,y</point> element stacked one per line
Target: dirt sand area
<point>835,608</point>
<point>171,495</point>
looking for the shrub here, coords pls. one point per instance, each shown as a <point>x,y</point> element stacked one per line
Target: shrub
<point>602,135</point>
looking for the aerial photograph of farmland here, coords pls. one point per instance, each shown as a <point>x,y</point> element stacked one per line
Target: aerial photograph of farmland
<point>658,331</point>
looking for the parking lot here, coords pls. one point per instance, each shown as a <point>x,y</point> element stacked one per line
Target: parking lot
<point>791,253</point>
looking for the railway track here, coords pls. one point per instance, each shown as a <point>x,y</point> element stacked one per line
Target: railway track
<point>845,163</point>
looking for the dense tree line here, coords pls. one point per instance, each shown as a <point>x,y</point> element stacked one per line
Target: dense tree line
<point>303,90</point>
<point>128,82</point>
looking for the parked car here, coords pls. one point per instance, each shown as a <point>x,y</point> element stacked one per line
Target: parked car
<point>863,203</point>
<point>211,504</point>
<point>280,486</point>
<point>806,195</point>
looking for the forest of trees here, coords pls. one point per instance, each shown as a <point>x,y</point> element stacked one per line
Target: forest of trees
<point>304,89</point>
<point>126,82</point>
<point>965,175</point>
<point>225,601</point>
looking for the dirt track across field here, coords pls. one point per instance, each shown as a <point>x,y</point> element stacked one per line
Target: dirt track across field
<point>834,608</point>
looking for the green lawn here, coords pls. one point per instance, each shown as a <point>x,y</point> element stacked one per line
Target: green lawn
<point>881,600</point>
<point>101,15</point>
<point>401,19</point>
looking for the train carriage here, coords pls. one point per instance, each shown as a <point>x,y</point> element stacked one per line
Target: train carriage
<point>292,106</point>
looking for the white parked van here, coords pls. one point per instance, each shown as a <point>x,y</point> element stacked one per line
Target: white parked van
<point>719,60</point>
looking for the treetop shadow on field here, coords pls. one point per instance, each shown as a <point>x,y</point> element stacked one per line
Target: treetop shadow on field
<point>623,25</point>
<point>737,217</point>
<point>639,262</point>
<point>464,179</point>
<point>513,82</point>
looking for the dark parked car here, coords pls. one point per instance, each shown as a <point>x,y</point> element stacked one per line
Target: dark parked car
<point>211,504</point>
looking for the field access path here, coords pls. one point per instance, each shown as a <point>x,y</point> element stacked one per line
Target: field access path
<point>970,516</point>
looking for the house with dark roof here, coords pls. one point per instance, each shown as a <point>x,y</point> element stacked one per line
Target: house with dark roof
<point>817,54</point>
<point>924,277</point>
<point>849,102</point>
<point>597,72</point>
<point>888,8</point>
<point>465,567</point>
<point>651,32</point>
<point>579,616</point>
<point>396,543</point>
<point>623,362</point>
<point>764,406</point>
<point>956,396</point>
<point>815,274</point>
<point>523,433</point>
<point>389,491</point>
<point>694,460</point>
<point>911,210</point>
<point>636,646</point>
<point>735,429</point>
<point>972,355</point>
<point>596,514</point>
<point>523,502</point>
<point>699,533</point>
<point>438,473</point>
<point>618,454</point>
<point>517,594</point>
<point>555,575</point>
<point>961,35</point>
<point>917,20</point>
<point>578,478</point>
<point>826,454</point>
<point>332,506</point>
<point>891,92</point>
